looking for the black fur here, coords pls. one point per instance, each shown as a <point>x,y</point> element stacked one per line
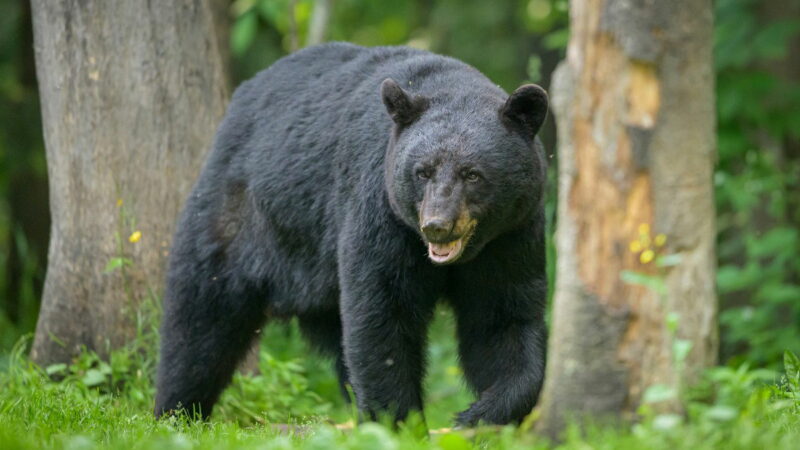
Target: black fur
<point>310,206</point>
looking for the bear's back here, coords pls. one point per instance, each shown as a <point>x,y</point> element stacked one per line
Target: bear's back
<point>313,124</point>
<point>302,143</point>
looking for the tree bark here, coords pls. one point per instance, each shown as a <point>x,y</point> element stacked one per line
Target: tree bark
<point>636,130</point>
<point>320,19</point>
<point>220,12</point>
<point>131,93</point>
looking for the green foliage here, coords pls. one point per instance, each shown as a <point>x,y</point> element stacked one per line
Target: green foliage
<point>757,192</point>
<point>738,407</point>
<point>316,388</point>
<point>655,283</point>
<point>22,178</point>
<point>280,392</point>
<point>95,405</point>
<point>509,32</point>
<point>757,185</point>
<point>789,391</point>
<point>108,404</point>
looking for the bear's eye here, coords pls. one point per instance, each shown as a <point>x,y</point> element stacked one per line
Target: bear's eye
<point>471,176</point>
<point>424,173</point>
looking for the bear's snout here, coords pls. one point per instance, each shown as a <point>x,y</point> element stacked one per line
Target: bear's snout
<point>438,229</point>
<point>447,238</point>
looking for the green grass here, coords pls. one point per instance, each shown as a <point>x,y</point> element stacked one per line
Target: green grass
<point>108,405</point>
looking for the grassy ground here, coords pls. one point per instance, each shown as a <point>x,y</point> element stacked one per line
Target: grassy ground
<point>108,405</point>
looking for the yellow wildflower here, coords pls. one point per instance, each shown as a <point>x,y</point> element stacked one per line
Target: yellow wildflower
<point>119,202</point>
<point>135,236</point>
<point>644,229</point>
<point>635,246</point>
<point>660,240</point>
<point>647,256</point>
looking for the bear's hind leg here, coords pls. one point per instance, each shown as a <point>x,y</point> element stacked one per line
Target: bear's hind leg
<point>207,329</point>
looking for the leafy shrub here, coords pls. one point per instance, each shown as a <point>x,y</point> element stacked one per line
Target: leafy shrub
<point>757,186</point>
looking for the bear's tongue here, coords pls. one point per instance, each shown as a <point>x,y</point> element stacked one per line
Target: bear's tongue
<point>441,253</point>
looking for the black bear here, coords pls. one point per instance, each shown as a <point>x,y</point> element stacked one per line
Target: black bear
<point>354,188</point>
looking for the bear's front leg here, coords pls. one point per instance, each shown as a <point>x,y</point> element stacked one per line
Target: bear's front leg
<point>386,306</point>
<point>499,301</point>
<point>504,362</point>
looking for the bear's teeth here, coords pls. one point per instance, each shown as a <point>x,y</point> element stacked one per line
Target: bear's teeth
<point>444,252</point>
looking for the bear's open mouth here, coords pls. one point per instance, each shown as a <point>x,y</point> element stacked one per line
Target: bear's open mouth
<point>446,253</point>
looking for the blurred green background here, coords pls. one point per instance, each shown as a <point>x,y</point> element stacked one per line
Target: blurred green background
<point>757,179</point>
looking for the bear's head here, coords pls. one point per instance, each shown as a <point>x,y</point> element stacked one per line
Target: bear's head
<point>462,169</point>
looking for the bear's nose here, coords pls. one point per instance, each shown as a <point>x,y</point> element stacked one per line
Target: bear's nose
<point>437,229</point>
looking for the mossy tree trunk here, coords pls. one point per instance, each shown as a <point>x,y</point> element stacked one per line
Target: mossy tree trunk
<point>635,302</point>
<point>131,93</point>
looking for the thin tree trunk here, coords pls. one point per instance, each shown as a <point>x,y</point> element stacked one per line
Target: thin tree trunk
<point>294,38</point>
<point>131,93</point>
<point>635,115</point>
<point>320,19</point>
<point>220,12</point>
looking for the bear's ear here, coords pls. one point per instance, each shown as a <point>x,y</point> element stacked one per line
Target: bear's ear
<point>403,108</point>
<point>525,109</point>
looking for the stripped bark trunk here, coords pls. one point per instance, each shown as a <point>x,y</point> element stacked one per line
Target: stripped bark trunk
<point>635,115</point>
<point>131,95</point>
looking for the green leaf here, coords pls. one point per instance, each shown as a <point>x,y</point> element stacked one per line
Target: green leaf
<point>116,263</point>
<point>56,368</point>
<point>535,69</point>
<point>453,441</point>
<point>104,368</point>
<point>681,349</point>
<point>791,364</point>
<point>93,377</point>
<point>373,435</point>
<point>731,278</point>
<point>659,393</point>
<point>558,39</point>
<point>672,321</point>
<point>774,242</point>
<point>652,282</point>
<point>780,293</point>
<point>664,422</point>
<point>240,7</point>
<point>772,42</point>
<point>272,11</point>
<point>669,260</point>
<point>243,32</point>
<point>721,413</point>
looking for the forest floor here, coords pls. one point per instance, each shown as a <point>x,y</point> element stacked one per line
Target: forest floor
<point>108,404</point>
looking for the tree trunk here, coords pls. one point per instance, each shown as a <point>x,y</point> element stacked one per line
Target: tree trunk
<point>131,93</point>
<point>320,19</point>
<point>636,130</point>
